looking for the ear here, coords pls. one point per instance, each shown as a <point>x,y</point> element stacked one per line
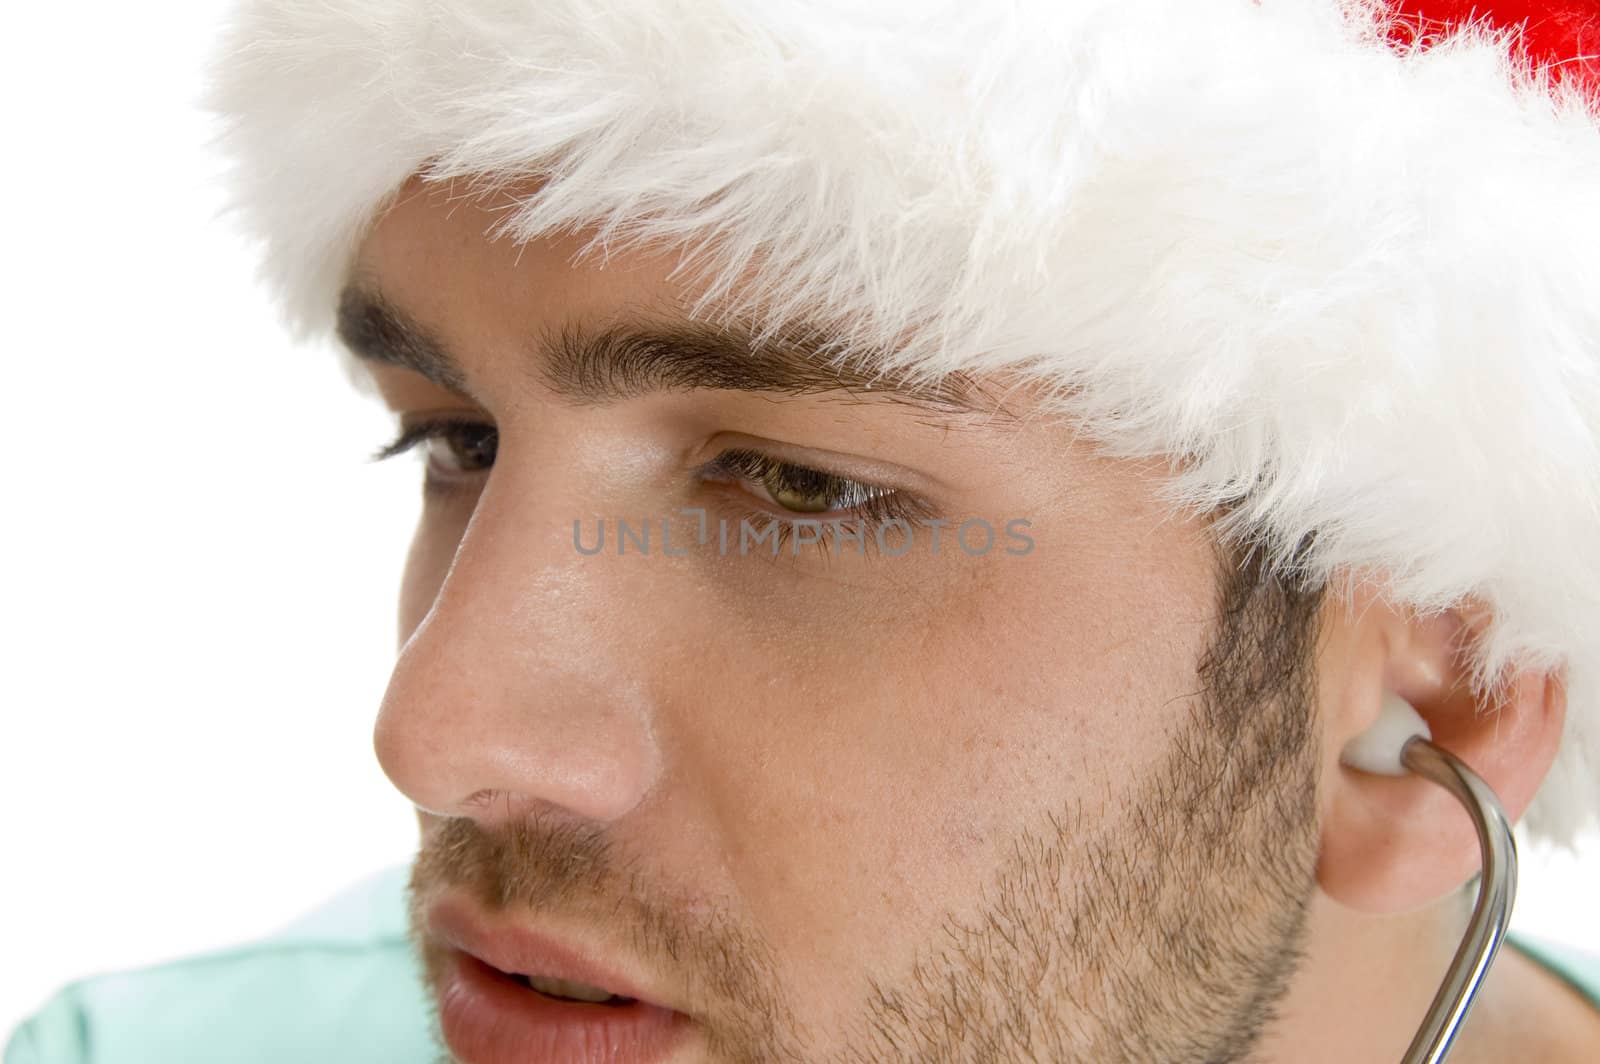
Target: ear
<point>1396,843</point>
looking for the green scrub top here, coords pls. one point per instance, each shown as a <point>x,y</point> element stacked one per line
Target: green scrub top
<point>341,985</point>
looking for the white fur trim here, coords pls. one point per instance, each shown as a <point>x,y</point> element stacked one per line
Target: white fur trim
<point>1360,289</point>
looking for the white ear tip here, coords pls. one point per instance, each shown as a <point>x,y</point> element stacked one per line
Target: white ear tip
<point>1377,750</point>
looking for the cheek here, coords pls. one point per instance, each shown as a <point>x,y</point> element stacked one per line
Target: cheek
<point>874,769</point>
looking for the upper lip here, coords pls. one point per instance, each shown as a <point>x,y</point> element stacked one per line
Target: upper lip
<point>519,950</point>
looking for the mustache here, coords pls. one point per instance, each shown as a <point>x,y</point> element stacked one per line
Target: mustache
<point>540,861</point>
<point>546,863</point>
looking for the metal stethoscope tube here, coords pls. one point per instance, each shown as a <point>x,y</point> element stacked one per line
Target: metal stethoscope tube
<point>1491,915</point>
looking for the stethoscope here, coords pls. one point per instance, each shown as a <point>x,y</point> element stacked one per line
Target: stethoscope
<point>1400,742</point>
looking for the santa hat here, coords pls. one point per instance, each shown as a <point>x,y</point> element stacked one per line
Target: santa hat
<point>1339,258</point>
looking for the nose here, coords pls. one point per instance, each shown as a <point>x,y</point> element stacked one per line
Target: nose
<point>514,693</point>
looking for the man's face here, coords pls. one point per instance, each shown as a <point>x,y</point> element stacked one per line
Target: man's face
<point>833,803</point>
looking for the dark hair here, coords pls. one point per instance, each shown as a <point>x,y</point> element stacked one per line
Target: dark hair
<point>1264,642</point>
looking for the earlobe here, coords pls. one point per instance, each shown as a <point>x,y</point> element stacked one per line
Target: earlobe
<point>1397,842</point>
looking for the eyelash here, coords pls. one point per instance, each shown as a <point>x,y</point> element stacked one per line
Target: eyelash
<point>850,501</point>
<point>869,505</point>
<point>456,430</point>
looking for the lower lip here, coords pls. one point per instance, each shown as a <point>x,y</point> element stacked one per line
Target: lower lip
<point>488,1017</point>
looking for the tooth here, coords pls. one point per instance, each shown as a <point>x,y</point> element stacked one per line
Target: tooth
<point>563,988</point>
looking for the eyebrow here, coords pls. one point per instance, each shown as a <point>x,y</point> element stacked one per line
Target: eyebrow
<point>592,366</point>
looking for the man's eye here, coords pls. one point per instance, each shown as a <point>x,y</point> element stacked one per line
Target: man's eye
<point>798,489</point>
<point>456,448</point>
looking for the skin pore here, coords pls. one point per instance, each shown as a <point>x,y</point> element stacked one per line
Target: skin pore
<point>1072,803</point>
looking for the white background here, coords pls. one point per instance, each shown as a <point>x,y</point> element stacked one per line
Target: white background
<point>199,565</point>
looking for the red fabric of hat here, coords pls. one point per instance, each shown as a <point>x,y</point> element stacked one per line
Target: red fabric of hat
<point>1561,37</point>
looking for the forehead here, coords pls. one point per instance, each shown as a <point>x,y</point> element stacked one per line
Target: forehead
<point>436,251</point>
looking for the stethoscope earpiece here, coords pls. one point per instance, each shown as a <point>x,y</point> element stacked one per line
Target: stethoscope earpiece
<point>1400,742</point>
<point>1377,750</point>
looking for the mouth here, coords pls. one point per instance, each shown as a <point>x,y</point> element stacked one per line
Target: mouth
<point>566,990</point>
<point>506,994</point>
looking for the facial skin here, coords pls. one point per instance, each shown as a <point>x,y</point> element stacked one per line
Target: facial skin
<point>832,806</point>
